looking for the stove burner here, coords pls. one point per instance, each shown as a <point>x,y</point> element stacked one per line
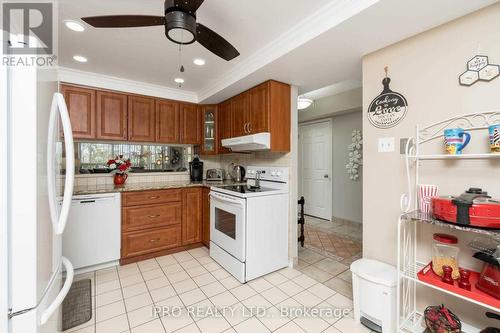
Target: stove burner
<point>243,189</point>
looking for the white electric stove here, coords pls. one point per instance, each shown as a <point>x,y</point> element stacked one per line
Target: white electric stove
<point>249,224</point>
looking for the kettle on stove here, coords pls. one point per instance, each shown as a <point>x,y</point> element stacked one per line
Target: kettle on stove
<point>237,172</point>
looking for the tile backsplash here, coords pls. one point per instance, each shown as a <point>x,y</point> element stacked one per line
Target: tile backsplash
<point>107,179</point>
<point>246,159</point>
<point>210,162</point>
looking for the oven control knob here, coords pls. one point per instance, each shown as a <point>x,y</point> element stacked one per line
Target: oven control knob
<point>278,173</point>
<point>273,173</point>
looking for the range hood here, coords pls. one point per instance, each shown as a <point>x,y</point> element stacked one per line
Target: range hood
<point>253,142</point>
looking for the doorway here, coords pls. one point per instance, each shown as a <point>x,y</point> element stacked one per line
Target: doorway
<point>315,167</point>
<point>333,201</point>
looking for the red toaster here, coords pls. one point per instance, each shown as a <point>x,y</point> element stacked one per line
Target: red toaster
<point>473,208</point>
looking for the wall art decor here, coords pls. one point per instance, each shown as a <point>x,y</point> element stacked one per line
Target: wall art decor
<point>355,155</point>
<point>478,69</point>
<point>387,109</point>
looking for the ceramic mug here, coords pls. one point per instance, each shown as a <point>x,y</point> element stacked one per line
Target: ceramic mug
<point>494,131</point>
<point>455,140</point>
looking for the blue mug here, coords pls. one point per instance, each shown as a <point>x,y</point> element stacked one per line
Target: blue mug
<point>455,140</point>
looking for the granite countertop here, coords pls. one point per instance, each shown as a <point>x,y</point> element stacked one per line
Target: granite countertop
<point>129,187</point>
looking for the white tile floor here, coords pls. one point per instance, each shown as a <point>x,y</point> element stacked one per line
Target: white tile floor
<point>197,295</point>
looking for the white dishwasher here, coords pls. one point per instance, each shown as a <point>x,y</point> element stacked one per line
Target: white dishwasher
<point>93,232</point>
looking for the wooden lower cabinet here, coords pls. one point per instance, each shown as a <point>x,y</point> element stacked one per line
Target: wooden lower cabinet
<point>205,228</point>
<point>141,217</point>
<point>159,222</point>
<point>143,242</point>
<point>151,197</point>
<point>191,215</point>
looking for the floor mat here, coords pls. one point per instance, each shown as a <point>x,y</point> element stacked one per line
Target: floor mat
<point>77,306</point>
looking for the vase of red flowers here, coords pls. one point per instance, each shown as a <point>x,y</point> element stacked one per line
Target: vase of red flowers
<point>119,166</point>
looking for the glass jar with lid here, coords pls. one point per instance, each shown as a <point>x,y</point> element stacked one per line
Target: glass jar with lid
<point>445,253</point>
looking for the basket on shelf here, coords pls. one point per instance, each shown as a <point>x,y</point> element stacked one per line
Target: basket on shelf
<point>439,319</point>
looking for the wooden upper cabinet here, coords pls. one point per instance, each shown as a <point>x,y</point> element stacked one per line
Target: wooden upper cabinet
<point>141,119</point>
<point>82,113</point>
<point>192,215</point>
<point>259,112</point>
<point>111,116</point>
<point>209,130</point>
<point>190,124</point>
<point>223,125</point>
<point>239,115</point>
<point>280,116</point>
<point>167,121</point>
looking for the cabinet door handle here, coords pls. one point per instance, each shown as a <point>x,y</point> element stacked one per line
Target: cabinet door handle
<point>249,128</point>
<point>154,240</point>
<point>245,128</point>
<point>155,197</point>
<point>153,216</point>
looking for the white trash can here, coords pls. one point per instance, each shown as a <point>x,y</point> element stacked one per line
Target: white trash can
<point>374,287</point>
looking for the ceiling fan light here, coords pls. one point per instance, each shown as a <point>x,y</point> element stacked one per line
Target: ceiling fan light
<point>179,80</point>
<point>180,27</point>
<point>304,103</point>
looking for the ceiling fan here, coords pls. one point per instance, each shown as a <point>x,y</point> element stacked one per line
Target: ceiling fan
<point>180,26</point>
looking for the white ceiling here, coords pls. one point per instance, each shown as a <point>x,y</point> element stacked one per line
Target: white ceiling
<point>145,54</point>
<point>332,89</point>
<point>311,44</point>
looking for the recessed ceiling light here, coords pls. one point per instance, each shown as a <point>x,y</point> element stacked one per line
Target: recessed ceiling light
<point>199,62</point>
<point>179,80</point>
<point>75,26</point>
<point>80,58</point>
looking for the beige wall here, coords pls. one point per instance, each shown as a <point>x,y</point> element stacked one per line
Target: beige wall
<point>425,69</point>
<point>347,194</point>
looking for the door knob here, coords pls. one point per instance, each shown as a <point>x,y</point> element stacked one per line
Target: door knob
<point>325,176</point>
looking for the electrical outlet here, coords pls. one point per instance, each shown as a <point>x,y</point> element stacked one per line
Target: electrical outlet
<point>386,145</point>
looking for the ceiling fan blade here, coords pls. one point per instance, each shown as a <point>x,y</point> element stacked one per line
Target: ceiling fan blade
<point>215,43</point>
<point>124,21</point>
<point>191,6</point>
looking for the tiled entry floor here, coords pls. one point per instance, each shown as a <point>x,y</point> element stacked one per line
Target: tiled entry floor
<point>125,297</point>
<point>329,249</point>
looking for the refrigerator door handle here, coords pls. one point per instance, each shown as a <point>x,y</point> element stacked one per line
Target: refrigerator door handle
<point>59,107</point>
<point>70,272</point>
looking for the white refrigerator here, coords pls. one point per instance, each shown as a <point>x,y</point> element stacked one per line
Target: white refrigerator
<point>39,150</point>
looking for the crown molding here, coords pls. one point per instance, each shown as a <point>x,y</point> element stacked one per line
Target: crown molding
<point>310,27</point>
<point>115,83</point>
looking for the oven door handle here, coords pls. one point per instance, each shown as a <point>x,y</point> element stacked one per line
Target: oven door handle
<point>227,199</point>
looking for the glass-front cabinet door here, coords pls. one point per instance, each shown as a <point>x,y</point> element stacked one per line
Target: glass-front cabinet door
<point>209,146</point>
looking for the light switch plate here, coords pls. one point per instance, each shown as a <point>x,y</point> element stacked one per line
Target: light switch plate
<point>386,145</point>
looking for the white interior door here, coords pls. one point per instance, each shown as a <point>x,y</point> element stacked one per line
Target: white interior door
<point>315,168</point>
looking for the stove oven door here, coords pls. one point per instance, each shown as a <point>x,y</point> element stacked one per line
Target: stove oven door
<point>227,223</point>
